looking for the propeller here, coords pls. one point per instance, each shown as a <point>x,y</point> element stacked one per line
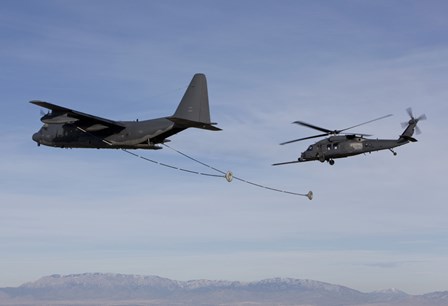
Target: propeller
<point>413,120</point>
<point>330,132</point>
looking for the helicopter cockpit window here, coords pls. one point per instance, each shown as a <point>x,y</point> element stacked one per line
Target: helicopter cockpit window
<point>310,148</point>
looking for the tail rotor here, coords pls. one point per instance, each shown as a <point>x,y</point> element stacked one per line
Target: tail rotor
<point>413,120</point>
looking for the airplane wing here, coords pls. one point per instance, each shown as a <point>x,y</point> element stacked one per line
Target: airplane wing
<point>61,114</point>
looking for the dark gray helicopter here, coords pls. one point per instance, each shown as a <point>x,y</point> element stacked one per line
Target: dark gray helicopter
<point>67,128</point>
<point>338,146</point>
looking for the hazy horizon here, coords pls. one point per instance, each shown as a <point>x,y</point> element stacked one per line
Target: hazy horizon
<point>89,277</point>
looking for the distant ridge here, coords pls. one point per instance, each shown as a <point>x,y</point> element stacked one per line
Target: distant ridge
<point>123,289</point>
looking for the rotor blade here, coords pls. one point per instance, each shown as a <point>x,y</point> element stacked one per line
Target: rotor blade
<point>409,111</point>
<point>338,131</point>
<point>313,127</point>
<point>417,130</point>
<point>300,139</point>
<point>286,163</point>
<point>357,134</point>
<point>421,117</point>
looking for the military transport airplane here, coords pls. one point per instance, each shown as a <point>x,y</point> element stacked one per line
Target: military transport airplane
<point>67,128</point>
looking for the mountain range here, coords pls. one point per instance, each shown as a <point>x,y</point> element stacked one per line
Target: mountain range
<point>120,290</point>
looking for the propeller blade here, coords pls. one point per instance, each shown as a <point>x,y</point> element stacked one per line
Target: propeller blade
<point>379,118</point>
<point>409,111</point>
<point>300,139</point>
<point>313,127</point>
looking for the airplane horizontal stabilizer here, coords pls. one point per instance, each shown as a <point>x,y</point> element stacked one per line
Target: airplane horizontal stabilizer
<point>195,124</point>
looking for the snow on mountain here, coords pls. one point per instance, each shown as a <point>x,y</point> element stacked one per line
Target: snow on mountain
<point>110,280</point>
<point>439,295</point>
<point>102,288</point>
<point>391,294</point>
<point>203,283</point>
<point>304,284</point>
<point>100,280</point>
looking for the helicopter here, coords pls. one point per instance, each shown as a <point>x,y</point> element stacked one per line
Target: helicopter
<point>351,144</point>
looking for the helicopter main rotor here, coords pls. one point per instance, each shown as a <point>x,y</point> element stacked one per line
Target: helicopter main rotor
<point>328,132</point>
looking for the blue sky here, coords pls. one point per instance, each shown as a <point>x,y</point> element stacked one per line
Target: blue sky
<point>376,222</point>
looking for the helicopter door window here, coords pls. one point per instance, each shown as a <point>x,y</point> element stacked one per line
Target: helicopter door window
<point>335,146</point>
<point>329,147</point>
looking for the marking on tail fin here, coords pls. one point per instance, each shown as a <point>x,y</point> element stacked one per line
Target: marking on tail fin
<point>194,105</point>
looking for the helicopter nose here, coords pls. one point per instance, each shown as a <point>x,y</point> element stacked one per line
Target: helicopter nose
<point>36,137</point>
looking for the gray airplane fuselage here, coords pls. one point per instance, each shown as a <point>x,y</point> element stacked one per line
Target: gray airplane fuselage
<point>136,134</point>
<point>67,128</point>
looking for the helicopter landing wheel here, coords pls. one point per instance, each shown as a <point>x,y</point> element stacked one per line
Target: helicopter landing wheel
<point>331,162</point>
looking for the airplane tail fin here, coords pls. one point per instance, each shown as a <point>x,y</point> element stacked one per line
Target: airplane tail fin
<point>193,109</point>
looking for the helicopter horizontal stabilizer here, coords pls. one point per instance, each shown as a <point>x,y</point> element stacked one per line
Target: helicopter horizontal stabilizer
<point>408,138</point>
